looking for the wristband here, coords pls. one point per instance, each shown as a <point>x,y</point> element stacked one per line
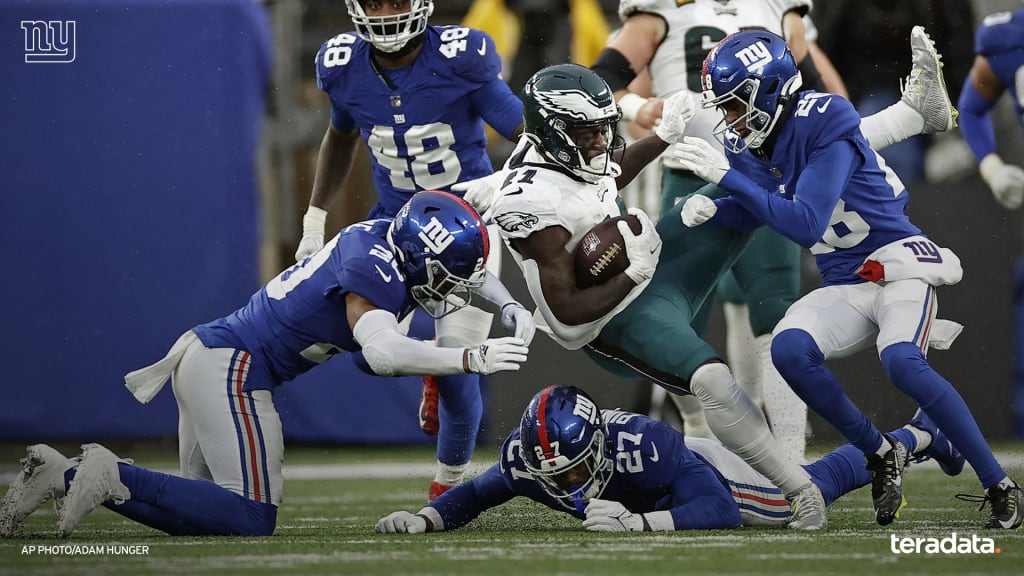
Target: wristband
<point>631,104</point>
<point>314,220</point>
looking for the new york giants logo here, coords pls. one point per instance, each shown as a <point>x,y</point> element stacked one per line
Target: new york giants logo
<point>924,251</point>
<point>435,236</point>
<point>584,408</point>
<point>50,42</point>
<point>755,57</point>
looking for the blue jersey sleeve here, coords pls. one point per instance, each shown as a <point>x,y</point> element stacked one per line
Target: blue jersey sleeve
<point>368,268</point>
<point>476,60</point>
<point>826,125</point>
<point>330,61</point>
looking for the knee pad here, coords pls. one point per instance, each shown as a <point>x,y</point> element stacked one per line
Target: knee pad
<point>795,351</point>
<point>714,385</point>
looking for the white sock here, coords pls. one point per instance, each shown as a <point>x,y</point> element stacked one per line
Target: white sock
<point>741,427</point>
<point>922,437</point>
<point>884,447</point>
<point>1006,483</point>
<point>450,475</point>
<point>894,124</point>
<point>784,409</point>
<point>695,425</point>
<point>739,341</point>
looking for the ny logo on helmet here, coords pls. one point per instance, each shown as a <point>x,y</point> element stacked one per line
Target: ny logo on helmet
<point>584,408</point>
<point>435,236</point>
<point>755,57</point>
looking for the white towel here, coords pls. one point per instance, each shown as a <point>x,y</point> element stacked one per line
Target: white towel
<point>913,257</point>
<point>146,382</point>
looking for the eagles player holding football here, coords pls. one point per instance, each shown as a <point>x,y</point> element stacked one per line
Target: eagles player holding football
<point>560,181</point>
<point>623,472</point>
<point>798,162</point>
<point>418,96</point>
<point>670,39</point>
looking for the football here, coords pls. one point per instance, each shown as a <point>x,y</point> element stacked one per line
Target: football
<point>601,253</point>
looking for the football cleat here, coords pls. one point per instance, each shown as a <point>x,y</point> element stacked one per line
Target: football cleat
<point>925,89</point>
<point>41,479</point>
<point>808,507</point>
<point>429,422</point>
<point>887,482</point>
<point>96,481</point>
<point>436,489</point>
<point>1007,506</point>
<point>949,459</point>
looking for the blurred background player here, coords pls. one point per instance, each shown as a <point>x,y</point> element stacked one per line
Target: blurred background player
<point>799,163</point>
<point>418,96</point>
<point>562,180</point>
<point>618,471</point>
<point>349,296</point>
<point>664,37</point>
<point>999,68</point>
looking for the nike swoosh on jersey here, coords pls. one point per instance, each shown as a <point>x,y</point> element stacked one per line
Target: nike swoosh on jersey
<point>823,107</point>
<point>654,456</point>
<point>386,277</point>
<point>483,47</point>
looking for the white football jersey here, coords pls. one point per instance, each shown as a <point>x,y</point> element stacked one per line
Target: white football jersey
<point>693,29</point>
<point>537,194</point>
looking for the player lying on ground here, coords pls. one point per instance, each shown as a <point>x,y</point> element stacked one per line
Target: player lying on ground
<point>619,471</point>
<point>348,296</point>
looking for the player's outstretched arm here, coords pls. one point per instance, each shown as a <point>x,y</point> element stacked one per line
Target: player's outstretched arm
<point>333,162</point>
<point>387,352</point>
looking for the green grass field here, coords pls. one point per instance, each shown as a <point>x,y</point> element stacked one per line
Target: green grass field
<point>326,527</point>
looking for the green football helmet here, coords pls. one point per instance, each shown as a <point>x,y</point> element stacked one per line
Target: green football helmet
<point>570,113</point>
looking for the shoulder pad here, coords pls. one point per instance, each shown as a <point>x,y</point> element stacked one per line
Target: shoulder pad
<point>333,55</point>
<point>470,53</point>
<point>629,7</point>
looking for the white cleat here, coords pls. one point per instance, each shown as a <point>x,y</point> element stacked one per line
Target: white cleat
<point>925,89</point>
<point>808,509</point>
<point>96,481</point>
<point>41,479</point>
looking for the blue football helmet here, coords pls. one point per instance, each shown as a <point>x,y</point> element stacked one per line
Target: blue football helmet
<point>561,429</point>
<point>441,245</point>
<point>390,33</point>
<point>756,69</point>
<point>569,112</point>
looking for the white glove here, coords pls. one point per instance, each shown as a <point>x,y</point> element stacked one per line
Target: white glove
<point>401,522</point>
<point>611,516</point>
<point>697,210</point>
<point>312,233</point>
<point>480,193</point>
<point>698,156</point>
<point>518,319</point>
<point>642,249</point>
<point>678,111</point>
<point>497,354</point>
<point>1005,180</point>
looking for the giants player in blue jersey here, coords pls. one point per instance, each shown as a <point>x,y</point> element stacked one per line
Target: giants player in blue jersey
<point>623,472</point>
<point>998,68</point>
<point>798,162</point>
<point>419,96</point>
<point>349,296</point>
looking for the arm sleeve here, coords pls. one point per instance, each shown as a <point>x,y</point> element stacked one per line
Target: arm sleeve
<point>804,218</point>
<point>460,505</point>
<point>494,291</point>
<point>386,352</point>
<point>498,106</point>
<point>975,124</point>
<point>732,214</point>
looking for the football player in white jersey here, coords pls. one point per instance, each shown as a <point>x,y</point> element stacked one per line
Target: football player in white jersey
<point>560,181</point>
<point>670,40</point>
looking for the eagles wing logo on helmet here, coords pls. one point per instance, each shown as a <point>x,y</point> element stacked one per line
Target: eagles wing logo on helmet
<point>513,221</point>
<point>572,103</point>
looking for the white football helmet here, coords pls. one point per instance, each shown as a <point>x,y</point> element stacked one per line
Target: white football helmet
<point>390,33</point>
